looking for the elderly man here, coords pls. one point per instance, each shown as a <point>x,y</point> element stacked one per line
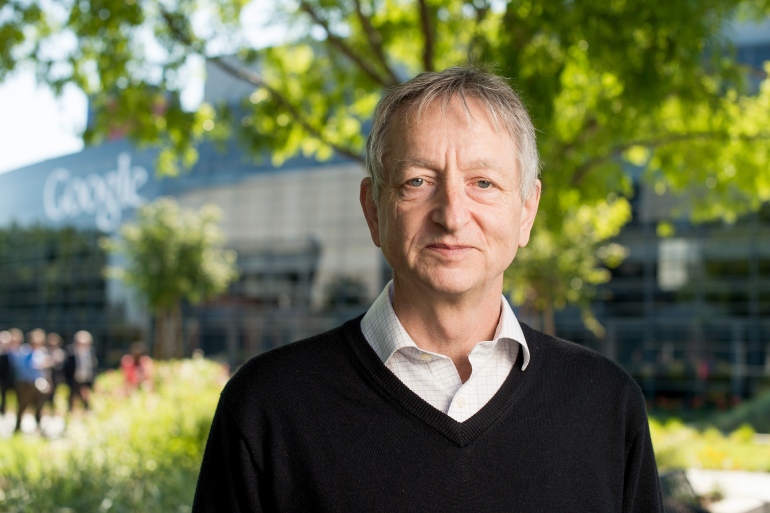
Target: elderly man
<point>437,399</point>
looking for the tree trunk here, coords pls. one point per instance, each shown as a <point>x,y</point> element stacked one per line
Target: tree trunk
<point>549,325</point>
<point>159,336</point>
<point>175,335</point>
<point>168,333</point>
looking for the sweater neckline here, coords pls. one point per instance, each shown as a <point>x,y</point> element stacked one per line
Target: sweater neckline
<point>459,433</point>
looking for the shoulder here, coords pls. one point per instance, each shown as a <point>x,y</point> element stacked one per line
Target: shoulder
<point>570,357</point>
<point>299,367</point>
<point>576,370</point>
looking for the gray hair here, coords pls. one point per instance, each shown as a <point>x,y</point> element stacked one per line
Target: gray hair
<point>501,102</point>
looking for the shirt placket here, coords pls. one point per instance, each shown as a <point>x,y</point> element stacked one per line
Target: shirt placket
<point>464,403</point>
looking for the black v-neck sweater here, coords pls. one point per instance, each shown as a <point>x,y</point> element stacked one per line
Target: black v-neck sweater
<point>323,425</point>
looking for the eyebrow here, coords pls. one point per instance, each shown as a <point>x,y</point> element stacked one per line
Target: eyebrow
<point>407,162</point>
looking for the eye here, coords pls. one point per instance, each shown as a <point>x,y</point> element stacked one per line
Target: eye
<point>415,182</point>
<point>484,184</point>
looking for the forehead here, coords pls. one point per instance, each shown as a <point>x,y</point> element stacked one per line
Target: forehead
<point>473,110</point>
<point>466,125</point>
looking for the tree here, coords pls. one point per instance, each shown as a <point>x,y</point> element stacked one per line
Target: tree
<point>622,91</point>
<point>173,255</point>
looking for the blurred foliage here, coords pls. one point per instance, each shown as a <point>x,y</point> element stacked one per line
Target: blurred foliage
<point>680,446</point>
<point>754,413</point>
<point>173,254</point>
<point>134,452</point>
<point>620,90</point>
<point>565,267</point>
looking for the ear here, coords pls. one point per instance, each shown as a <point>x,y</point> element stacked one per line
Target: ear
<point>370,210</point>
<point>528,213</point>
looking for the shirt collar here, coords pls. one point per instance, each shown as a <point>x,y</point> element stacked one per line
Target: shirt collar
<point>386,335</point>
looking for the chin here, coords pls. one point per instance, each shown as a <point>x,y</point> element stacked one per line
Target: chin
<point>454,282</point>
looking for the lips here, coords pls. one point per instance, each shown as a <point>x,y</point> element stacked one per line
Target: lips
<point>448,249</point>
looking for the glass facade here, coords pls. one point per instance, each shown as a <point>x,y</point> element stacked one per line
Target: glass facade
<point>692,312</point>
<point>304,255</point>
<point>688,316</point>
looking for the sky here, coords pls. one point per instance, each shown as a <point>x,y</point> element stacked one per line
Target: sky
<point>36,126</point>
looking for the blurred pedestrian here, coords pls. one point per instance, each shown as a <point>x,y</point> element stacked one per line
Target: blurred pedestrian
<point>8,382</point>
<point>30,365</point>
<point>56,371</point>
<point>80,369</point>
<point>137,367</point>
<point>6,367</point>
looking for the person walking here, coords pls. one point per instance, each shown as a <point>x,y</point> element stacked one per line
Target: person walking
<point>30,364</point>
<point>56,371</point>
<point>8,345</point>
<point>80,369</point>
<point>137,367</point>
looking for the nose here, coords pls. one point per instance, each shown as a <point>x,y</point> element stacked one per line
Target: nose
<point>451,209</point>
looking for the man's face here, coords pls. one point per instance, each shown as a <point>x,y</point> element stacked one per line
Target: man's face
<point>450,217</point>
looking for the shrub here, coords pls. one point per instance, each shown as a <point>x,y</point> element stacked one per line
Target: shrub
<point>680,446</point>
<point>138,451</point>
<point>755,412</point>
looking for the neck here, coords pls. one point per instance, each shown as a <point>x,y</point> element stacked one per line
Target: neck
<point>448,324</point>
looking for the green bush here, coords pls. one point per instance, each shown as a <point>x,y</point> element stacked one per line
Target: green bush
<point>680,446</point>
<point>755,412</point>
<point>137,451</point>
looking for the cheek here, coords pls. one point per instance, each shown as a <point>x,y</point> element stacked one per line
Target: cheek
<point>402,228</point>
<point>505,232</point>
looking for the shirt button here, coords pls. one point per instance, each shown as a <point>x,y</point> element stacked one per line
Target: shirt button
<point>460,402</point>
<point>426,357</point>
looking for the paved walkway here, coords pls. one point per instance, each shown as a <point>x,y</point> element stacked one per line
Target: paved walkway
<point>51,426</point>
<point>744,492</point>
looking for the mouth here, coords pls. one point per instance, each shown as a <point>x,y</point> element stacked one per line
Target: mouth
<point>448,249</point>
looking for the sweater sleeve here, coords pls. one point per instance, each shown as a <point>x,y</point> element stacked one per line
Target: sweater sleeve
<point>229,478</point>
<point>641,491</point>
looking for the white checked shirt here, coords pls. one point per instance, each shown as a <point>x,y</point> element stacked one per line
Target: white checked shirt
<point>433,376</point>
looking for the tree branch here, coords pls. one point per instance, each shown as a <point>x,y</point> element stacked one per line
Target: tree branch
<point>584,168</point>
<point>589,128</point>
<point>427,54</point>
<point>340,45</point>
<point>256,80</point>
<point>375,41</point>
